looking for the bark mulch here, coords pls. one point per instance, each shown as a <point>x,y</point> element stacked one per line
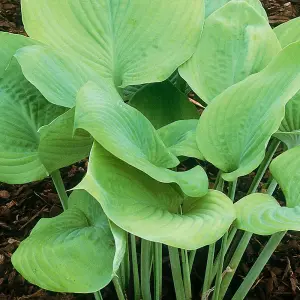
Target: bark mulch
<point>21,206</point>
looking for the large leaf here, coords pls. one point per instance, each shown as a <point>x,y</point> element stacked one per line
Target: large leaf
<point>150,209</point>
<point>289,130</point>
<point>55,74</point>
<point>261,214</point>
<point>124,41</point>
<point>162,104</point>
<point>10,43</point>
<point>74,252</point>
<point>180,138</point>
<point>129,135</point>
<point>23,112</point>
<point>230,49</point>
<point>235,128</point>
<point>288,32</point>
<point>212,5</point>
<point>285,169</point>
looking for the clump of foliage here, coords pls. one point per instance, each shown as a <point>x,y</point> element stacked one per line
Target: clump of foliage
<point>110,79</point>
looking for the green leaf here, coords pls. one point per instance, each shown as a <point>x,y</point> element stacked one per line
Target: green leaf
<point>24,111</point>
<point>58,146</point>
<point>74,252</point>
<point>235,128</point>
<point>261,214</point>
<point>230,49</point>
<point>10,43</point>
<point>285,169</point>
<point>40,64</point>
<point>289,130</point>
<point>162,103</point>
<point>123,41</point>
<point>150,209</point>
<point>288,32</point>
<point>213,5</point>
<point>180,138</point>
<point>128,134</point>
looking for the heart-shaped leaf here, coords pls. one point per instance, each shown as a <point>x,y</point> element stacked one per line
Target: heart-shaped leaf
<point>288,32</point>
<point>150,209</point>
<point>230,49</point>
<point>128,134</point>
<point>23,112</point>
<point>162,103</point>
<point>213,5</point>
<point>78,251</point>
<point>285,169</point>
<point>122,40</point>
<point>235,128</point>
<point>180,138</point>
<point>261,214</point>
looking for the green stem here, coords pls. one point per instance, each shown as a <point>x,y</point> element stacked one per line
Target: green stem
<point>240,250</point>
<point>186,274</point>
<point>146,269</point>
<point>237,256</point>
<point>122,273</point>
<point>192,259</point>
<point>118,288</point>
<point>217,260</point>
<point>60,188</point>
<point>180,83</point>
<point>98,296</point>
<point>176,273</point>
<point>157,271</point>
<point>208,271</point>
<point>263,166</point>
<point>127,264</point>
<point>262,260</point>
<point>224,246</point>
<point>219,184</point>
<point>135,269</point>
<point>220,267</point>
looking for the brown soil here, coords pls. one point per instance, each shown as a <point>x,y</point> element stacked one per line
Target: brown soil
<point>21,206</point>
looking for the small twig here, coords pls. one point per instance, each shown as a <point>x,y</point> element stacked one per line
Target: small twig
<point>196,103</point>
<point>33,217</point>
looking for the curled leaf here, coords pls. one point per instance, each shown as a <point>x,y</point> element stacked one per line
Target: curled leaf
<point>261,214</point>
<point>74,252</point>
<point>235,128</point>
<point>152,210</point>
<point>128,134</point>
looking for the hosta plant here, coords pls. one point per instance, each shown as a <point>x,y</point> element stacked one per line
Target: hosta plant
<point>111,80</point>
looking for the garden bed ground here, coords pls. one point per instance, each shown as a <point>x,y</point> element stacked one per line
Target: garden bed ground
<point>21,206</point>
